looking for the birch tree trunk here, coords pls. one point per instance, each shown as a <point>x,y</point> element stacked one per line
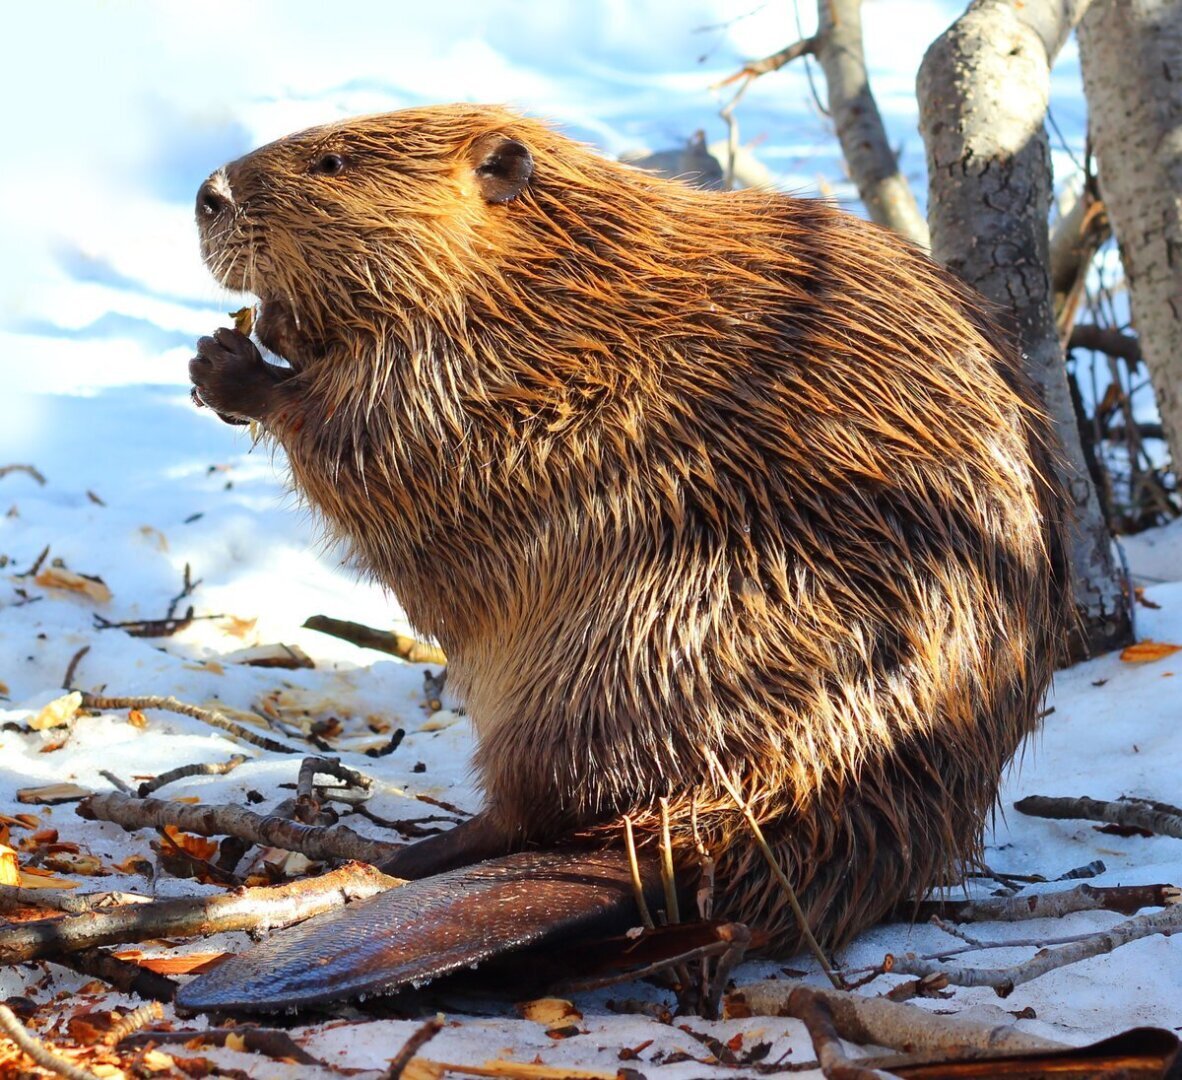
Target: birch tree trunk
<point>1132,65</point>
<point>983,91</point>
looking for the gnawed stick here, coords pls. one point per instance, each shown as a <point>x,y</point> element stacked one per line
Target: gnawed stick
<point>183,772</point>
<point>401,645</point>
<point>1124,899</point>
<point>1003,980</point>
<point>1160,818</point>
<point>221,819</point>
<point>243,909</point>
<point>874,1020</point>
<point>418,1039</point>
<point>104,703</point>
<point>37,1050</point>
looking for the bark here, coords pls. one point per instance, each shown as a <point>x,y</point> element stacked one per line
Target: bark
<point>1131,52</point>
<point>983,92</point>
<point>872,163</point>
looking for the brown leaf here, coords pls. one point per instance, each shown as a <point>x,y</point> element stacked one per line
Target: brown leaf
<point>1145,652</point>
<point>200,847</point>
<point>58,577</point>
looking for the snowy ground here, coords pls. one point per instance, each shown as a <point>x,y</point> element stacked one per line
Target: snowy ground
<point>100,317</point>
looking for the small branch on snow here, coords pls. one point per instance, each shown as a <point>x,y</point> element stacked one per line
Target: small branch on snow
<point>72,667</point>
<point>182,772</point>
<point>1160,818</point>
<point>307,806</point>
<point>1003,980</point>
<point>1125,899</point>
<point>37,1050</point>
<point>269,1042</point>
<point>243,909</point>
<point>412,1046</point>
<point>366,637</point>
<point>317,842</point>
<point>866,1020</point>
<point>104,703</point>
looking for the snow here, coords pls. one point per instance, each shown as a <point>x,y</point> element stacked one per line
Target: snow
<point>98,318</point>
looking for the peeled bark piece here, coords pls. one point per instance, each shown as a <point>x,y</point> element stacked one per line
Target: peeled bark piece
<point>983,91</point>
<point>1131,52</point>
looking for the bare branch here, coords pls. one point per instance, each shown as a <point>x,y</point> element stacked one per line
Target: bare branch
<point>317,842</point>
<point>1125,899</point>
<point>1160,818</point>
<point>777,60</point>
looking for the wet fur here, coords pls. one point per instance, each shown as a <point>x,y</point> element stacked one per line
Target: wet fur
<point>664,469</point>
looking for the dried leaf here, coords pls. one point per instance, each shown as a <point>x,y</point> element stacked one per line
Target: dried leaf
<point>1144,652</point>
<point>243,320</point>
<point>438,721</point>
<point>549,1011</point>
<point>58,577</point>
<point>35,878</point>
<point>10,873</point>
<point>238,627</point>
<point>200,847</point>
<point>59,711</point>
<point>68,863</point>
<point>155,537</point>
<point>137,719</point>
<point>135,864</point>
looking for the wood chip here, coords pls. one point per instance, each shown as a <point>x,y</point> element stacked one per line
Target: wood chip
<point>58,577</point>
<point>52,794</point>
<point>1145,652</point>
<point>58,712</point>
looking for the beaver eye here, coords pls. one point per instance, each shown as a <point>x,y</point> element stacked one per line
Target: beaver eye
<point>329,165</point>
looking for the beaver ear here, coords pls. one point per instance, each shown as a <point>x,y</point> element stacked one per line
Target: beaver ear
<point>503,167</point>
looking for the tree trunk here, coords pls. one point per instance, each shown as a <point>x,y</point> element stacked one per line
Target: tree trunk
<point>872,163</point>
<point>1131,52</point>
<point>983,93</point>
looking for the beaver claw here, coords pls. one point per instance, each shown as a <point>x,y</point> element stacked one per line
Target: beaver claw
<point>230,376</point>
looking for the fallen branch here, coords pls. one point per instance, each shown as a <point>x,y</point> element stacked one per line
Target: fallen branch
<point>206,716</point>
<point>403,646</point>
<point>307,805</point>
<point>1160,818</point>
<point>14,898</point>
<point>1125,899</point>
<point>259,909</point>
<point>37,1051</point>
<point>876,1021</point>
<point>1003,980</point>
<point>317,842</point>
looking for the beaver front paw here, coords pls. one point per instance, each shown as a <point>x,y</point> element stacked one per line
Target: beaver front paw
<point>230,376</point>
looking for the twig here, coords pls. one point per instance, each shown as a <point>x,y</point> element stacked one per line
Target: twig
<point>777,871</point>
<point>811,1007</point>
<point>877,1021</point>
<point>116,782</point>
<point>1160,818</point>
<point>206,716</point>
<point>37,1051</point>
<point>124,976</point>
<point>668,879</point>
<point>411,828</point>
<point>1003,980</point>
<point>188,585</point>
<point>28,470</point>
<point>133,1022</point>
<point>270,1042</point>
<point>32,571</point>
<point>182,772</point>
<point>317,842</point>
<point>243,909</point>
<point>412,1046</point>
<point>1125,899</point>
<point>152,628</point>
<point>754,68</point>
<point>72,667</point>
<point>401,645</point>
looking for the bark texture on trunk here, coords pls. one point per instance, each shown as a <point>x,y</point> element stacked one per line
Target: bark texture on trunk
<point>1131,52</point>
<point>872,163</point>
<point>983,93</point>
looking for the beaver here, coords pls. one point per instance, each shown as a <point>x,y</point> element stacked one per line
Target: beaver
<point>694,488</point>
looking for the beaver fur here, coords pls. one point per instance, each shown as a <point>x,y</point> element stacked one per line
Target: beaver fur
<point>676,478</point>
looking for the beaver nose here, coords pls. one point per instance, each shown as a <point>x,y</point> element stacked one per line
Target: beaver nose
<point>213,197</point>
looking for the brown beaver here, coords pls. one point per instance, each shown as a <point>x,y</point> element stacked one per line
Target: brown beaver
<point>675,477</point>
